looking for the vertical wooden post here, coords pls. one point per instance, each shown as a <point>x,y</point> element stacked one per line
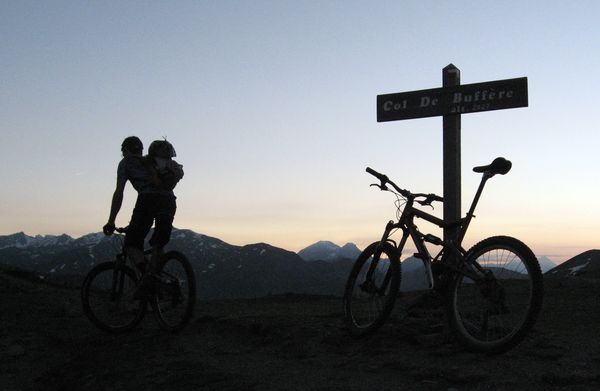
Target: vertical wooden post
<point>451,156</point>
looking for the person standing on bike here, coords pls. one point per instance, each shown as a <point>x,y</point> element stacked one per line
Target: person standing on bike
<point>155,202</point>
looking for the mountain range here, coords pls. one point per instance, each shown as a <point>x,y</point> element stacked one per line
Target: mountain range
<point>227,271</point>
<point>223,270</point>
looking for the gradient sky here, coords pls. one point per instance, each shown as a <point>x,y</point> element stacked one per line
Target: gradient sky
<point>271,107</point>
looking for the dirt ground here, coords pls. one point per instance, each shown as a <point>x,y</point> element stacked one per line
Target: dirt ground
<point>286,343</point>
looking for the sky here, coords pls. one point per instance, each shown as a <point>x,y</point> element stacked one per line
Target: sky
<point>271,108</point>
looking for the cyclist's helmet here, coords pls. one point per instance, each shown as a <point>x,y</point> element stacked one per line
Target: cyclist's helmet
<point>133,145</point>
<point>161,148</point>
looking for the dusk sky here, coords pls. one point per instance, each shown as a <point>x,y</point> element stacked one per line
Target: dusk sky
<point>271,108</point>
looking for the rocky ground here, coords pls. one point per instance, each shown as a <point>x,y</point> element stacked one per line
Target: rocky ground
<point>286,343</point>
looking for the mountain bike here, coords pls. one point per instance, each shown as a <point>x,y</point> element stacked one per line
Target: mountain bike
<point>111,293</point>
<point>492,292</point>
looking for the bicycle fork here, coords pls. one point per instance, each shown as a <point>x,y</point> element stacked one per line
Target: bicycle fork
<point>369,286</point>
<point>118,280</point>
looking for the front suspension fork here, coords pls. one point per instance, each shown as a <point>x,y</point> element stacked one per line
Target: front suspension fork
<point>377,255</point>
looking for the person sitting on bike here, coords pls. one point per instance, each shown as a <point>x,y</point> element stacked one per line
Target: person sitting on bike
<point>155,202</point>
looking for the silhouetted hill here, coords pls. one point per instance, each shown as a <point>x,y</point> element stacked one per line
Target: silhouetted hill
<point>586,264</point>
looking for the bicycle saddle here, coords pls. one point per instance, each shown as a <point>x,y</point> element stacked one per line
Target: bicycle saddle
<point>499,166</point>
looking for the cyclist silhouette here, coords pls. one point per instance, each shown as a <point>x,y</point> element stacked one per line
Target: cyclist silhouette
<point>155,202</point>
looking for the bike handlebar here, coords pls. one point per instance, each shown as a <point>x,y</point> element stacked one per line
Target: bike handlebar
<point>377,175</point>
<point>429,198</point>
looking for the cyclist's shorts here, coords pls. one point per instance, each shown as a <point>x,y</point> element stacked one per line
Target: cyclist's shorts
<point>151,208</point>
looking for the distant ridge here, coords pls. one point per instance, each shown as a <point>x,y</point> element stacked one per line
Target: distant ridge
<point>328,251</point>
<point>546,263</point>
<point>21,240</point>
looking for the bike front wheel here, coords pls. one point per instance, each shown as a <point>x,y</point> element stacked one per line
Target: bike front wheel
<point>372,288</point>
<point>175,292</point>
<point>107,296</point>
<point>495,313</point>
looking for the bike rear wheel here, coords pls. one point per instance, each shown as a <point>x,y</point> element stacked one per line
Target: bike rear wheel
<point>372,288</point>
<point>175,292</point>
<point>107,298</point>
<point>495,314</point>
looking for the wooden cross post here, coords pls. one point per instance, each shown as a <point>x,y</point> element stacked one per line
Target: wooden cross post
<point>451,159</point>
<point>450,101</point>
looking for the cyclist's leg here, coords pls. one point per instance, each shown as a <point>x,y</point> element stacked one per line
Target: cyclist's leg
<point>154,208</point>
<point>139,226</point>
<point>164,214</point>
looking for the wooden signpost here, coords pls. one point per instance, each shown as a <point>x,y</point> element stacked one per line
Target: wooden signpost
<point>450,101</point>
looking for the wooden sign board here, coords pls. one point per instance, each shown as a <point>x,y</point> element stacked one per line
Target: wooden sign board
<point>460,99</point>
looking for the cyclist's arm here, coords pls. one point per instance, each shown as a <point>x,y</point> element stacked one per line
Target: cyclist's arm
<point>117,199</point>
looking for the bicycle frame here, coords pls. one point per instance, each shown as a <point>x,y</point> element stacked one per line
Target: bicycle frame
<point>492,292</point>
<point>457,252</point>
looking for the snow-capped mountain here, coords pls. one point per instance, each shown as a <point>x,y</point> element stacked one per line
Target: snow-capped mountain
<point>586,264</point>
<point>546,263</point>
<point>328,251</point>
<point>21,240</point>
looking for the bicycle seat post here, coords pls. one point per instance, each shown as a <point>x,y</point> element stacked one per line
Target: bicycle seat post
<point>471,213</point>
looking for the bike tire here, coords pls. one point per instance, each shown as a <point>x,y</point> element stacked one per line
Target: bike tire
<point>113,310</point>
<point>496,315</point>
<point>175,292</point>
<point>368,305</point>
